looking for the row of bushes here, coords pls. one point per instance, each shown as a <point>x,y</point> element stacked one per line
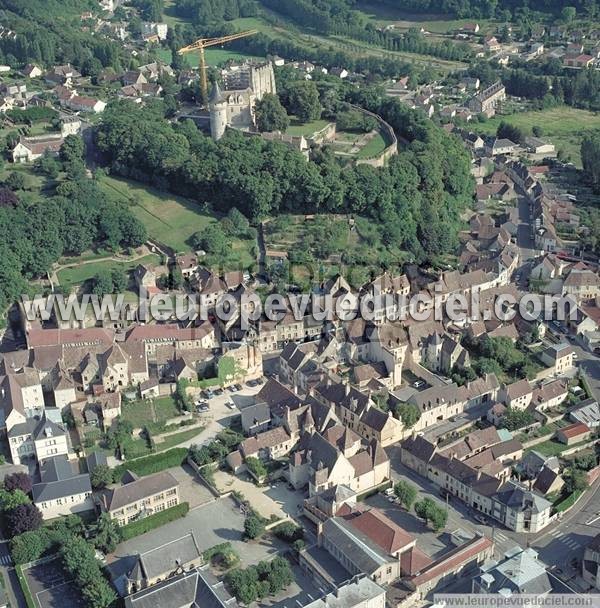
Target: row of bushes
<point>157,520</point>
<point>152,464</point>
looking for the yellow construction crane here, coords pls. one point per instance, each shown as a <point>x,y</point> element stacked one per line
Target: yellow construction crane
<point>201,44</point>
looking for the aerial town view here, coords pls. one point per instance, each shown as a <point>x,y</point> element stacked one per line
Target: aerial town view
<point>299,303</point>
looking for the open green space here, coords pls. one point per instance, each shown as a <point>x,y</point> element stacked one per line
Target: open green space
<point>564,126</point>
<point>76,275</point>
<point>169,219</point>
<point>554,448</point>
<point>172,220</point>
<point>373,148</point>
<point>385,14</point>
<point>307,129</point>
<point>145,411</point>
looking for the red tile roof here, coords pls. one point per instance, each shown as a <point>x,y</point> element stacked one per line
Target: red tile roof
<point>381,530</point>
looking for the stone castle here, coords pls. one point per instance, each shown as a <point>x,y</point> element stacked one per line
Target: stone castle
<point>233,106</point>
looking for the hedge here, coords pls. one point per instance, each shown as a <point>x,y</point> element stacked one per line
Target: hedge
<point>152,464</point>
<point>157,520</point>
<point>569,501</point>
<point>24,586</point>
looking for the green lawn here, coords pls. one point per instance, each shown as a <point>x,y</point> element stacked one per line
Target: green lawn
<point>173,219</point>
<point>384,14</point>
<point>553,447</point>
<point>143,411</point>
<point>76,275</point>
<point>168,218</point>
<point>307,129</point>
<point>564,126</point>
<point>375,147</point>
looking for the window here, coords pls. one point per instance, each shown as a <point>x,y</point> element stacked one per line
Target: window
<point>172,502</point>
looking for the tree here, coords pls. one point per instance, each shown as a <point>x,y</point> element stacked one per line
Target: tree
<point>408,413</point>
<point>289,531</point>
<point>98,594</point>
<point>212,240</point>
<point>15,181</point>
<point>18,481</point>
<point>254,526</point>
<point>106,533</point>
<point>101,476</point>
<point>24,518</point>
<point>11,500</point>
<point>568,14</point>
<point>575,480</point>
<point>102,282</point>
<point>119,280</point>
<point>304,101</point>
<point>590,158</point>
<point>29,546</point>
<point>537,131</point>
<point>271,115</point>
<point>428,510</point>
<point>512,132</point>
<point>8,198</point>
<point>256,467</point>
<point>406,493</point>
<point>515,419</point>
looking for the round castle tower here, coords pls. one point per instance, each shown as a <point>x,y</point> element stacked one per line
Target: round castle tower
<point>217,105</point>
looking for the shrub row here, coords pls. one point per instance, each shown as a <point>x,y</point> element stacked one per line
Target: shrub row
<point>152,464</point>
<point>157,520</point>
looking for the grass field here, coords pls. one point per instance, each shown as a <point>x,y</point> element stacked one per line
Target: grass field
<point>168,218</point>
<point>307,129</point>
<point>564,126</point>
<point>373,148</point>
<point>144,411</point>
<point>436,24</point>
<point>172,220</point>
<point>77,275</point>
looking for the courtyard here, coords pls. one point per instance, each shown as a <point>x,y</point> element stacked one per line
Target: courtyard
<point>212,524</point>
<point>50,588</point>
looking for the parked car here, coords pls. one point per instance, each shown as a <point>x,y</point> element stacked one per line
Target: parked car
<point>230,405</point>
<point>418,383</point>
<point>482,519</point>
<point>238,387</point>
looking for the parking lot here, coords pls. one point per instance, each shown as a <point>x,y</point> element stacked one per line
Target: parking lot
<point>214,523</point>
<point>276,499</point>
<point>218,415</point>
<point>50,588</point>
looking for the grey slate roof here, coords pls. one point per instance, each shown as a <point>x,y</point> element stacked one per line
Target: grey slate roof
<point>356,546</point>
<point>194,589</point>
<point>164,559</point>
<point>135,490</point>
<point>58,480</point>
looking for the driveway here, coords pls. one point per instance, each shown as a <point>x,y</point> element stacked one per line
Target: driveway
<point>191,490</point>
<point>219,416</point>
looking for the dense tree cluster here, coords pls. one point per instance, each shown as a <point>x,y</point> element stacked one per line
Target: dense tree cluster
<point>566,9</point>
<point>590,158</point>
<point>49,32</point>
<point>205,12</point>
<point>416,200</point>
<point>78,218</point>
<point>80,562</point>
<point>337,17</point>
<point>259,581</point>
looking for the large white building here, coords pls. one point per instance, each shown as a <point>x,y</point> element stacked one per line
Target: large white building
<point>243,86</point>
